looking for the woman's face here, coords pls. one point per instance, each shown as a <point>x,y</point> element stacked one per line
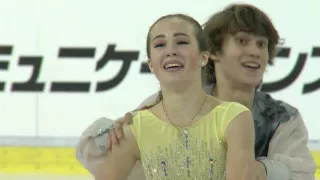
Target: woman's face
<point>174,53</point>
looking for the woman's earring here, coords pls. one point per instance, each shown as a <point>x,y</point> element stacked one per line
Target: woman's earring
<point>202,64</point>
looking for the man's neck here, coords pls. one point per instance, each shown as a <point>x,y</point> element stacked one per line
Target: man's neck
<point>227,92</point>
<point>182,105</point>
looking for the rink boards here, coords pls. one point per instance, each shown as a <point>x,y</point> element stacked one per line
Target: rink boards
<point>38,157</point>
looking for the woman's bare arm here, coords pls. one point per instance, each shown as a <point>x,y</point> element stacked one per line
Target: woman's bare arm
<point>239,136</point>
<point>121,158</point>
<point>91,150</point>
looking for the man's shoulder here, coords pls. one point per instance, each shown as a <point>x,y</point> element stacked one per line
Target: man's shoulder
<point>269,107</point>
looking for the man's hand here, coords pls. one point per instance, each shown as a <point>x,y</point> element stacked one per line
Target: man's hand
<point>261,173</point>
<point>115,135</point>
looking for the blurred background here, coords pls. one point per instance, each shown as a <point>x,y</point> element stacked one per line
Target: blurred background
<point>63,64</point>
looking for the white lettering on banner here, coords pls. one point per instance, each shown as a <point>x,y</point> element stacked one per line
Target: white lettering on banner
<point>65,63</point>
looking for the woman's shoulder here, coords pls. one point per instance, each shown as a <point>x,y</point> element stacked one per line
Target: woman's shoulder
<point>147,114</point>
<point>216,103</point>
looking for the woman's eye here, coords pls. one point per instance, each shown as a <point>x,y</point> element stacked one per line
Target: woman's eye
<point>159,45</point>
<point>182,42</point>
